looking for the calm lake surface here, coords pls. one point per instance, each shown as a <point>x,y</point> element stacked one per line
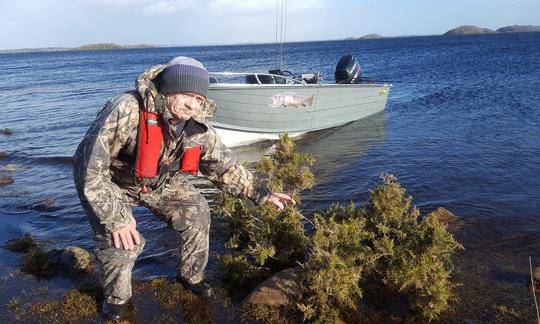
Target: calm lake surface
<point>461,130</point>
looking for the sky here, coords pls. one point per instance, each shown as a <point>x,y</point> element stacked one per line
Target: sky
<point>72,23</point>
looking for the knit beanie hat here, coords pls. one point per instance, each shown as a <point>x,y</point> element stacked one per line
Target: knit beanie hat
<point>183,74</point>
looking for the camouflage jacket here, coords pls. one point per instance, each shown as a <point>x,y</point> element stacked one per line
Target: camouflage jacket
<point>104,161</point>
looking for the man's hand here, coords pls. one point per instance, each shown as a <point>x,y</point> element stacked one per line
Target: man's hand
<point>279,198</point>
<point>126,237</point>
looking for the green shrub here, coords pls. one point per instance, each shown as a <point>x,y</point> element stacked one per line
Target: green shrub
<point>386,243</point>
<point>265,240</point>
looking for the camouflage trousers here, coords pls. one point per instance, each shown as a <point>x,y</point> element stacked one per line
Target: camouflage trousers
<point>184,209</point>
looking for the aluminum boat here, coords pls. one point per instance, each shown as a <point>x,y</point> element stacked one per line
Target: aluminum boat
<point>258,106</point>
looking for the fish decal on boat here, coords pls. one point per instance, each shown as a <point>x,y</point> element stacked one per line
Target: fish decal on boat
<point>291,100</point>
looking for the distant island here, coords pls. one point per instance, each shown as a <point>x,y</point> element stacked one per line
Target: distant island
<point>519,29</point>
<point>104,46</point>
<point>371,36</point>
<point>468,30</point>
<point>88,47</point>
<point>473,30</point>
<point>368,36</point>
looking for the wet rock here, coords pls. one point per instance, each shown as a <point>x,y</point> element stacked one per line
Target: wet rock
<point>280,289</point>
<point>38,263</point>
<point>22,244</point>
<point>5,180</point>
<point>12,167</point>
<point>71,260</point>
<point>536,274</point>
<point>444,216</point>
<point>536,277</point>
<point>7,131</point>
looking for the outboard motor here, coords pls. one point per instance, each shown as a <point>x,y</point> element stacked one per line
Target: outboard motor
<point>348,70</point>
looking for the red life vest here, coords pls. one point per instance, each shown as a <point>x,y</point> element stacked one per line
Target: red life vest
<point>149,142</point>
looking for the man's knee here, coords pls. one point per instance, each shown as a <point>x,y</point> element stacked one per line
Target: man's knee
<point>194,216</point>
<point>106,253</point>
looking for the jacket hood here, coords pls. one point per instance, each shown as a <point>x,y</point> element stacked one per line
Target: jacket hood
<point>154,101</point>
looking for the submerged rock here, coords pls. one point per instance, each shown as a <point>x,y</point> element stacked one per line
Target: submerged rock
<point>5,180</point>
<point>71,260</point>
<point>7,131</point>
<point>444,216</point>
<point>280,289</point>
<point>46,204</point>
<point>13,167</point>
<point>22,244</point>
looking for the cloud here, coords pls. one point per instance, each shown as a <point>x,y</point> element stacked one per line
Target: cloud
<point>263,6</point>
<point>221,7</point>
<point>165,7</point>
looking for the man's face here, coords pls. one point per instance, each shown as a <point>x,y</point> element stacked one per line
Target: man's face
<point>183,105</point>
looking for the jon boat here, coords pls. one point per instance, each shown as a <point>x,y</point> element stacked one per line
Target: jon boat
<point>257,106</point>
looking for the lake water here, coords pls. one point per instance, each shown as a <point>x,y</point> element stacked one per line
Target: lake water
<point>461,130</point>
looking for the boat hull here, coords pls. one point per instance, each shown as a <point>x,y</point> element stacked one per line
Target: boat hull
<point>264,111</point>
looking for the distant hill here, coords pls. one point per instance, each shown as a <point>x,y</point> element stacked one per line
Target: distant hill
<point>371,36</point>
<point>368,36</point>
<point>103,46</point>
<point>89,47</point>
<point>468,30</point>
<point>519,29</point>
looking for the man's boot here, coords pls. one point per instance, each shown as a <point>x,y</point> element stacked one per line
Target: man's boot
<point>115,312</point>
<point>201,288</point>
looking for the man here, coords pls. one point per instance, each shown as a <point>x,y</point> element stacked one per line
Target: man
<point>137,152</point>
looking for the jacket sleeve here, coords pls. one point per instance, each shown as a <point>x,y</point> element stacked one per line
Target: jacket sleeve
<point>102,143</point>
<point>219,164</point>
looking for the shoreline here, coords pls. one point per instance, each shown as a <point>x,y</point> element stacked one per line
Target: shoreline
<point>135,47</point>
<point>491,274</point>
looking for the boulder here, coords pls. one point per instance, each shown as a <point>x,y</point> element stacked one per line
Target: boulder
<point>7,131</point>
<point>71,260</point>
<point>5,180</point>
<point>280,289</point>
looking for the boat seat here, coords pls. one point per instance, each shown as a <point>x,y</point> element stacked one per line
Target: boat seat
<point>267,79</point>
<point>264,79</point>
<point>251,79</point>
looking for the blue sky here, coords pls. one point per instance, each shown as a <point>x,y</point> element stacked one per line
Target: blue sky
<point>70,23</point>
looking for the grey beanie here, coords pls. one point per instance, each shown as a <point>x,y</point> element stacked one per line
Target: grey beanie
<point>183,74</point>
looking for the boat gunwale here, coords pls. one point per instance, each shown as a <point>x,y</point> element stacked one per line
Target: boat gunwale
<point>293,83</point>
<point>235,86</point>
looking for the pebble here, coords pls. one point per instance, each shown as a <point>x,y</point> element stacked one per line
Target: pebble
<point>5,180</point>
<point>12,167</point>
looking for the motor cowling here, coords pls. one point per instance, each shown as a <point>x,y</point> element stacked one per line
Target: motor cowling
<point>348,70</point>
